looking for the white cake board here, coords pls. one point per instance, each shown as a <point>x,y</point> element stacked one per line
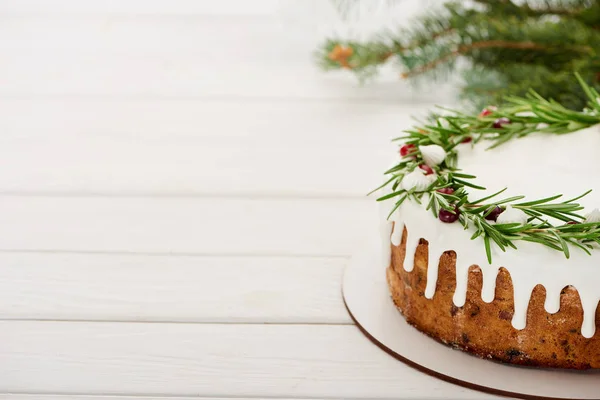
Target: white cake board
<point>369,302</point>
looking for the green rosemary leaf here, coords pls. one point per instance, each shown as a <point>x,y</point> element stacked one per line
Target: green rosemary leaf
<point>557,215</point>
<point>382,186</point>
<point>488,197</point>
<point>499,241</point>
<point>591,96</point>
<point>462,202</point>
<point>563,243</point>
<point>393,194</point>
<point>476,234</point>
<point>415,197</point>
<point>487,210</point>
<point>536,202</point>
<point>443,202</point>
<point>509,200</point>
<point>432,205</point>
<point>511,244</point>
<point>579,245</point>
<point>451,160</point>
<point>395,168</point>
<point>398,204</point>
<point>579,227</point>
<point>535,239</point>
<point>465,183</point>
<point>465,176</point>
<point>488,250</point>
<point>503,138</point>
<point>578,197</point>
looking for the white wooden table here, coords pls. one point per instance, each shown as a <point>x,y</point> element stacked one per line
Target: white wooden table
<point>180,189</point>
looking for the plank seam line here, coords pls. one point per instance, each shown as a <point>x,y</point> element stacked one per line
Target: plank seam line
<point>127,16</point>
<point>173,254</point>
<point>188,195</point>
<point>176,322</point>
<point>219,98</point>
<point>143,396</point>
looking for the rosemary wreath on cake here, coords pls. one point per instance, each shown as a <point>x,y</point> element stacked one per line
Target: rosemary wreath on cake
<point>428,171</point>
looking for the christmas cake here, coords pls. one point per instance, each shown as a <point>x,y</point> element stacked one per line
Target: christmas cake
<point>512,276</point>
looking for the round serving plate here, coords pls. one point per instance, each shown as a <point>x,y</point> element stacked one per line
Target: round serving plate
<point>369,302</point>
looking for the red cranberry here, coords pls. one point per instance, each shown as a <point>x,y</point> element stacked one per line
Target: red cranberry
<point>446,190</point>
<point>500,122</point>
<point>493,215</point>
<point>448,216</point>
<point>426,168</point>
<point>407,148</point>
<point>487,111</point>
<point>468,139</point>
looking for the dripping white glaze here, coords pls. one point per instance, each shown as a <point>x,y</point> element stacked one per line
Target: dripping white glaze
<point>398,229</point>
<point>532,264</point>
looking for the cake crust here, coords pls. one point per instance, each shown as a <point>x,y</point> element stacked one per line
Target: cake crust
<point>485,329</point>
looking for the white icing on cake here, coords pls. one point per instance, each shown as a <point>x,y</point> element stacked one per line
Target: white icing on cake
<point>536,166</point>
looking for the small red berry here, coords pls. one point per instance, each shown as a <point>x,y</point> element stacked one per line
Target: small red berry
<point>500,122</point>
<point>448,216</point>
<point>468,139</point>
<point>487,111</point>
<point>446,190</point>
<point>493,215</point>
<point>407,148</point>
<point>426,168</point>
<point>572,223</point>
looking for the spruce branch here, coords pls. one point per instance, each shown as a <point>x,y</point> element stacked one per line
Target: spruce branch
<point>509,46</point>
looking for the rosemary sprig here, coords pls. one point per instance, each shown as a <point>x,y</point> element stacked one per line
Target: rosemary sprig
<point>448,191</point>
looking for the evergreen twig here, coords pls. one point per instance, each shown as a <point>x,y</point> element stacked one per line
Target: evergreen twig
<point>510,46</point>
<point>527,115</point>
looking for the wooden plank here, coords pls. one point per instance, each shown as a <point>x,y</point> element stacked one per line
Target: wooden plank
<point>125,166</point>
<point>209,226</point>
<point>48,51</point>
<point>403,8</point>
<point>12,396</point>
<point>266,57</point>
<point>56,73</point>
<point>207,360</point>
<point>170,288</point>
<point>138,7</point>
<point>182,147</point>
<point>248,122</point>
<point>141,33</point>
<point>137,34</point>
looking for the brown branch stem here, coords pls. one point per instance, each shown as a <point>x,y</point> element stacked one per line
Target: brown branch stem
<point>486,44</point>
<point>421,43</point>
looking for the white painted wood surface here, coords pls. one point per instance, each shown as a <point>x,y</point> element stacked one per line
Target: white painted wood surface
<point>180,190</point>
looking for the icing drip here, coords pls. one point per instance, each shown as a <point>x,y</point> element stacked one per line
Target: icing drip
<point>398,230</point>
<point>589,303</point>
<point>522,289</point>
<point>411,248</point>
<point>462,276</point>
<point>552,302</point>
<point>488,289</point>
<point>385,230</point>
<point>432,273</point>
